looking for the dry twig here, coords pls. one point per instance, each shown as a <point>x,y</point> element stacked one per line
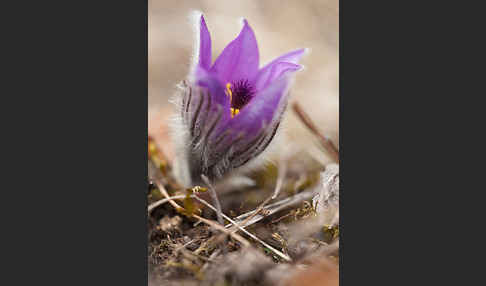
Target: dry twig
<point>214,196</point>
<point>156,178</point>
<point>279,253</point>
<point>271,209</point>
<point>158,182</point>
<point>152,206</point>
<point>210,259</point>
<point>282,171</point>
<point>325,142</point>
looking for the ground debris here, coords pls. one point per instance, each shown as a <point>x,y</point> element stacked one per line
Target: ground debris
<point>326,201</point>
<point>244,267</point>
<point>302,248</point>
<point>184,251</point>
<point>168,224</point>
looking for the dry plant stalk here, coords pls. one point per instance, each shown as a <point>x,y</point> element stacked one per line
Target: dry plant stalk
<point>156,176</point>
<point>282,171</point>
<point>325,142</point>
<point>209,222</point>
<point>279,253</point>
<point>215,198</point>
<point>271,209</point>
<point>282,255</point>
<point>154,205</point>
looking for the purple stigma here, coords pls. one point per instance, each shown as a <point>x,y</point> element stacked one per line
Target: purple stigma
<point>242,92</point>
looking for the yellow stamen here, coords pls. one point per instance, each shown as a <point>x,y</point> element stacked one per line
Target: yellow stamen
<point>228,91</point>
<point>234,111</point>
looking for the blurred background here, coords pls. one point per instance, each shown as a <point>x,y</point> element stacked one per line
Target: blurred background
<point>280,26</point>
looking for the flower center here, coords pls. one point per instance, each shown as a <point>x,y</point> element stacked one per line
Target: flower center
<point>240,93</point>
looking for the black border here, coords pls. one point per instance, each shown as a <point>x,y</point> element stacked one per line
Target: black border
<point>77,74</point>
<point>76,79</point>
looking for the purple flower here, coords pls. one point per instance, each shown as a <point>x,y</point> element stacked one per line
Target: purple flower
<point>230,110</point>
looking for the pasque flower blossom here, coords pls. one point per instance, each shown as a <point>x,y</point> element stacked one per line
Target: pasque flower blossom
<point>229,111</point>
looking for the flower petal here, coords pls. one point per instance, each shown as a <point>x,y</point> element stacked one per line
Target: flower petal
<point>290,57</point>
<point>258,122</point>
<point>273,72</point>
<point>215,87</point>
<point>263,108</point>
<point>278,67</point>
<point>248,133</point>
<point>204,45</point>
<point>205,107</point>
<point>239,59</point>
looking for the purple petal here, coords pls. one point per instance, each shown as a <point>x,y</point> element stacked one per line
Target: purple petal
<point>277,68</point>
<point>262,108</point>
<point>215,87</point>
<point>290,57</point>
<point>204,45</point>
<point>258,122</point>
<point>239,59</point>
<point>206,107</point>
<point>273,72</point>
<point>256,118</point>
